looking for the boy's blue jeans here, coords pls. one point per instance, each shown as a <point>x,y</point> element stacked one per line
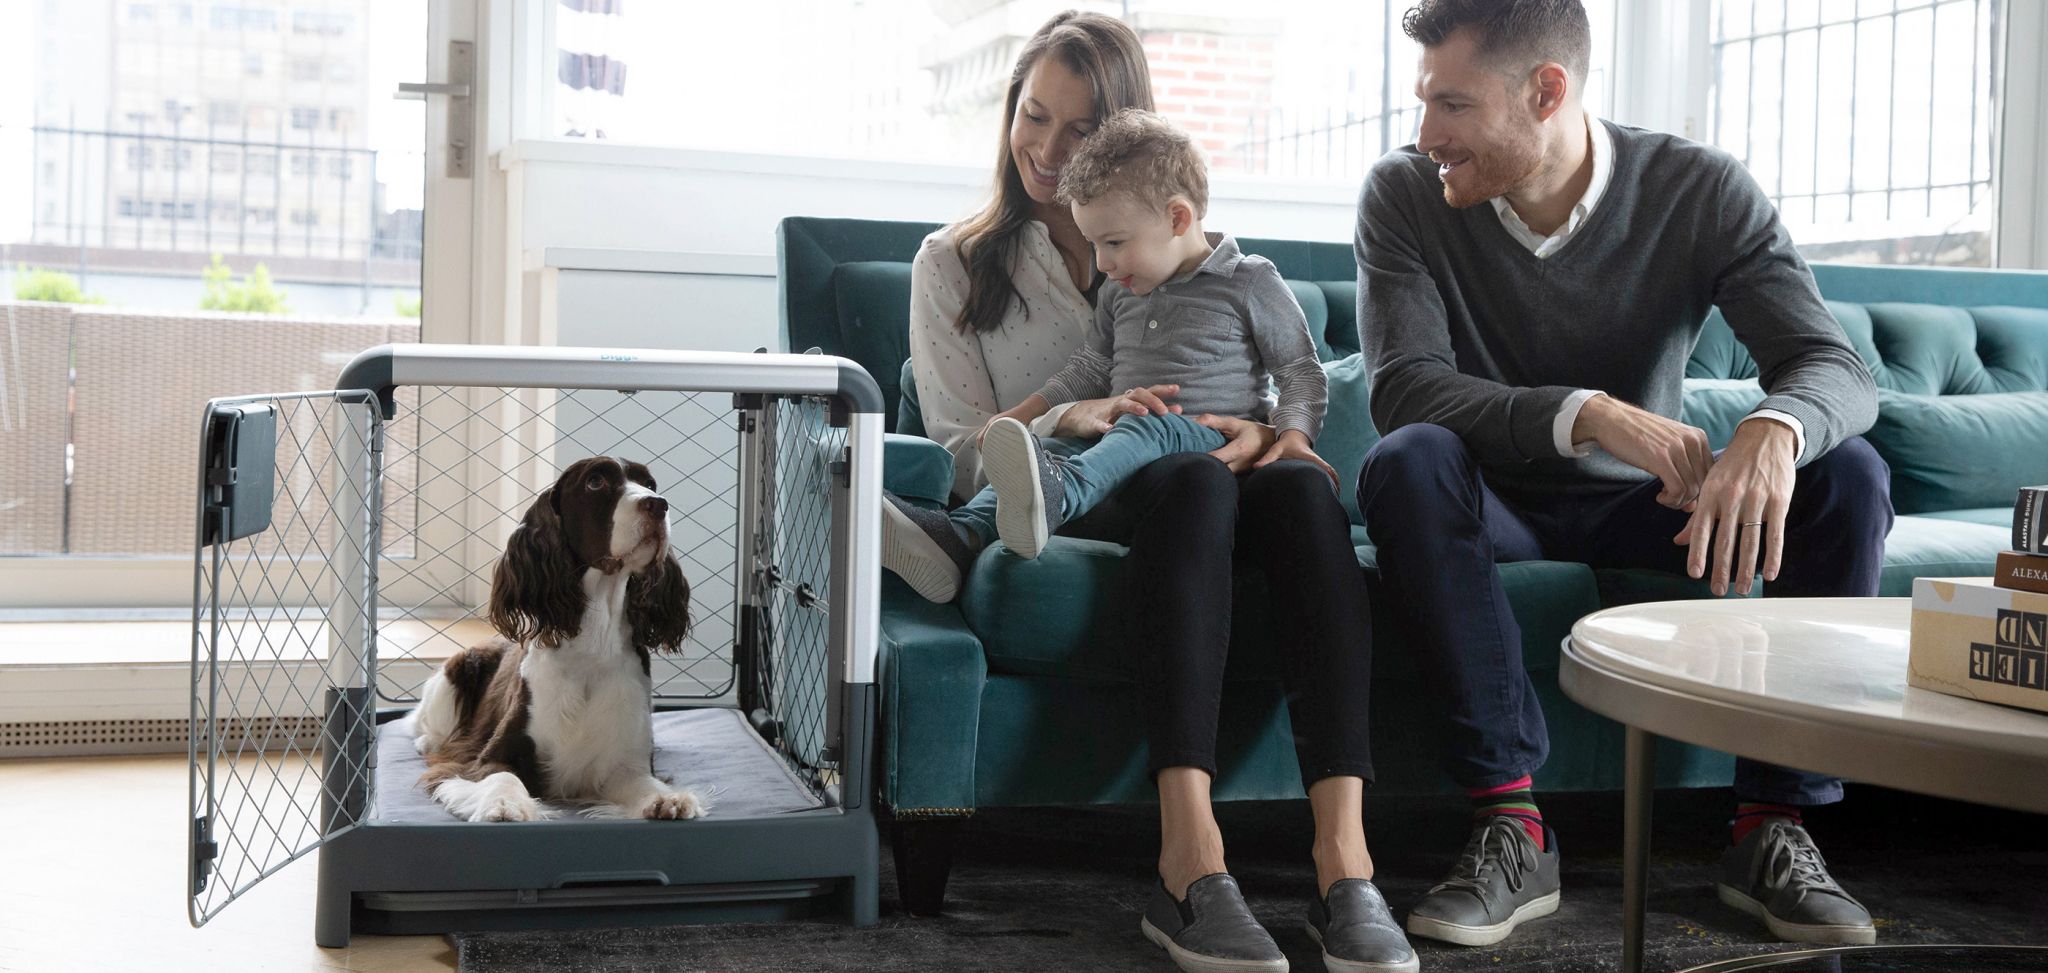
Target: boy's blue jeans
<point>1094,470</point>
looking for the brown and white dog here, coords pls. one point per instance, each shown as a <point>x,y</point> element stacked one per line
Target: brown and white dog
<point>558,708</point>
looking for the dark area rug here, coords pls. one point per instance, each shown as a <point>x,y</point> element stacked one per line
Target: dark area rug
<point>1060,889</point>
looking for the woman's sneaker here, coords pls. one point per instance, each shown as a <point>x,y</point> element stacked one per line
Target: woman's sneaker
<point>1500,881</point>
<point>1031,492</point>
<point>1212,930</point>
<point>925,548</point>
<point>1357,931</point>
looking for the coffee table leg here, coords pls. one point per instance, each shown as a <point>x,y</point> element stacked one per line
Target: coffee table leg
<point>1639,773</point>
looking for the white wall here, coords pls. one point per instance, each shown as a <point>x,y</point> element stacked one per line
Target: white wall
<point>724,204</point>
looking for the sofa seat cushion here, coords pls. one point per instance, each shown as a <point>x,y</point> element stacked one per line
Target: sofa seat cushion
<point>1951,451</point>
<point>1062,614</point>
<point>1995,516</point>
<point>1938,547</point>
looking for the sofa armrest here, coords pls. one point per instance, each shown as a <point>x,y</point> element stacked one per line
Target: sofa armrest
<point>932,672</point>
<point>915,468</point>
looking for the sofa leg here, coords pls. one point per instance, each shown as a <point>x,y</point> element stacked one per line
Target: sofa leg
<point>924,858</point>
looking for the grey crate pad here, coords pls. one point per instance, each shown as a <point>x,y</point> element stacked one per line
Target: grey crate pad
<point>712,750</point>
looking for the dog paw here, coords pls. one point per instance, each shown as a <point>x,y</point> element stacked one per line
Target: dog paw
<point>512,809</point>
<point>678,806</point>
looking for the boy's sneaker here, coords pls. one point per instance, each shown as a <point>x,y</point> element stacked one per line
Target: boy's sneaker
<point>1500,881</point>
<point>1777,875</point>
<point>1212,930</point>
<point>1357,932</point>
<point>1031,489</point>
<point>925,548</point>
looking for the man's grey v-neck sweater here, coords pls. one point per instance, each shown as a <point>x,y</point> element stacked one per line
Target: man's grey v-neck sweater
<point>1463,327</point>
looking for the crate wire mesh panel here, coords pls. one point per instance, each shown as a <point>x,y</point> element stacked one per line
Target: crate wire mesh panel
<point>371,556</point>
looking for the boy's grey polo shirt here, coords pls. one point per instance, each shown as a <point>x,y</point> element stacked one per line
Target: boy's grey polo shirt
<point>1217,332</point>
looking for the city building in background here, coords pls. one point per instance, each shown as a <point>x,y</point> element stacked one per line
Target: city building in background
<point>167,132</point>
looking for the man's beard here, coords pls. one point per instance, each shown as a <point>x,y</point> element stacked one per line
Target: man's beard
<point>1493,174</point>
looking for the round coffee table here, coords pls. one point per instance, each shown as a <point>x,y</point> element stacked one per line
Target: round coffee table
<point>1813,683</point>
<point>1891,959</point>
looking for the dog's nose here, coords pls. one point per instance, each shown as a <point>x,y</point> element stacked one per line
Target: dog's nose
<point>655,506</point>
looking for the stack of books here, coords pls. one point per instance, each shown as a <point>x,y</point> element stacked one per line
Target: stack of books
<point>1987,639</point>
<point>2025,567</point>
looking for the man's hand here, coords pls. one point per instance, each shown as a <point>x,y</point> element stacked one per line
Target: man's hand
<point>1090,418</point>
<point>1248,440</point>
<point>1294,444</point>
<point>1742,505</point>
<point>1667,449</point>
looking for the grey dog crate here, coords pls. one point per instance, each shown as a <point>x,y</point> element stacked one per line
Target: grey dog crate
<point>345,544</point>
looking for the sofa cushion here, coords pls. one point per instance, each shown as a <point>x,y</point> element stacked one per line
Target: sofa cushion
<point>1955,451</point>
<point>2000,517</point>
<point>916,469</point>
<point>1716,405</point>
<point>1933,547</point>
<point>1348,432</point>
<point>873,301</point>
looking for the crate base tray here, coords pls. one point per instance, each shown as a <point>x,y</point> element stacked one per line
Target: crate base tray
<point>712,750</point>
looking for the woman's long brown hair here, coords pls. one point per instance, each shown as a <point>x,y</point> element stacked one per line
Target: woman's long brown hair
<point>1100,50</point>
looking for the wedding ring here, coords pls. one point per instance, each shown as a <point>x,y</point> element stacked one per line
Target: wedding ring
<point>1753,523</point>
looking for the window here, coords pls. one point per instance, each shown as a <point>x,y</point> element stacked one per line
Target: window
<point>262,163</point>
<point>341,167</point>
<point>306,119</point>
<point>225,160</point>
<point>243,18</point>
<point>252,65</point>
<point>1299,89</point>
<point>303,164</point>
<point>1870,124</point>
<point>140,157</point>
<point>141,14</point>
<point>126,207</point>
<point>320,24</point>
<point>339,119</point>
<point>224,113</point>
<point>305,217</point>
<point>308,69</point>
<point>341,72</point>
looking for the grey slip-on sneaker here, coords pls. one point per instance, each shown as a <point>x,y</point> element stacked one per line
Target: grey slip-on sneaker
<point>925,548</point>
<point>1031,495</point>
<point>1357,931</point>
<point>1212,930</point>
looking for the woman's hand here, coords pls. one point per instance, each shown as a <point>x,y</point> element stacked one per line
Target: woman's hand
<point>1294,444</point>
<point>1091,418</point>
<point>1248,440</point>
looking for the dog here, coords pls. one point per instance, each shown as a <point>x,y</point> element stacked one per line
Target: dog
<point>557,708</point>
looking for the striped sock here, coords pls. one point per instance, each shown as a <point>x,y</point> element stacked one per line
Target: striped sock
<point>1511,799</point>
<point>1750,815</point>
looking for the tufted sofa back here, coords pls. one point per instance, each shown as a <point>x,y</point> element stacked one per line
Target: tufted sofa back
<point>1960,356</point>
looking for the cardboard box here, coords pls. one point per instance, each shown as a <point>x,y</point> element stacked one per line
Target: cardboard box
<point>1975,640</point>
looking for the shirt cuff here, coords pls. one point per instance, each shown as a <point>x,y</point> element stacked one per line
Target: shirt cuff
<point>1567,416</point>
<point>1798,428</point>
<point>1044,425</point>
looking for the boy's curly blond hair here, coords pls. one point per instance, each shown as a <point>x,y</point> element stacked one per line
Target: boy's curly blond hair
<point>1140,155</point>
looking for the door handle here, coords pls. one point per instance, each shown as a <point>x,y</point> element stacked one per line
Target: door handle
<point>461,111</point>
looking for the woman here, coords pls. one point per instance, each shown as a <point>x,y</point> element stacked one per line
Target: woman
<point>998,304</point>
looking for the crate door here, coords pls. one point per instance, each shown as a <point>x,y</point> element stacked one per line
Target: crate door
<point>283,632</point>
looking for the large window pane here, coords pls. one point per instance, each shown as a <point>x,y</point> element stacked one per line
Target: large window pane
<point>1869,123</point>
<point>196,200</point>
<point>1310,89</point>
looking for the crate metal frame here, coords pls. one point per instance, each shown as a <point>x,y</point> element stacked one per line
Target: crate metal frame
<point>521,875</point>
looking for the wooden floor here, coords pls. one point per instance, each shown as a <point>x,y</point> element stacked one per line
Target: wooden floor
<point>92,853</point>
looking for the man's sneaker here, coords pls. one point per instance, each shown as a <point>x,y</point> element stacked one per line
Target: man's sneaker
<point>1777,875</point>
<point>1357,931</point>
<point>925,548</point>
<point>1499,881</point>
<point>1031,491</point>
<point>1212,930</point>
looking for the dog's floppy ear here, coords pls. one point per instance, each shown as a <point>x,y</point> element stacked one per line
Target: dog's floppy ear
<point>537,589</point>
<point>658,605</point>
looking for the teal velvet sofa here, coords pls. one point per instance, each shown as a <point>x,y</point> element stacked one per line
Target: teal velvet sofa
<point>1018,693</point>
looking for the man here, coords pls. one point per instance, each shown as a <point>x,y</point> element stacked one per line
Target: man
<point>1531,281</point>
